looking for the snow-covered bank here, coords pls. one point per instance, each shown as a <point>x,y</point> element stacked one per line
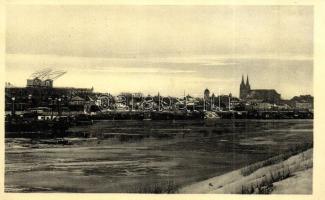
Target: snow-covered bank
<point>291,176</point>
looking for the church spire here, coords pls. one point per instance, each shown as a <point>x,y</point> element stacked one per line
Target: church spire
<point>247,84</point>
<point>242,80</point>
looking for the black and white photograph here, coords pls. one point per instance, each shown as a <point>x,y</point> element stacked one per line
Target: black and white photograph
<point>159,99</point>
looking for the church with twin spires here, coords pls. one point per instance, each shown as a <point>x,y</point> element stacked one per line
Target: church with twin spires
<point>261,95</point>
<point>245,88</point>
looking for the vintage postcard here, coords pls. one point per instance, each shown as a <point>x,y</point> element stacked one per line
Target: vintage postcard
<point>156,98</point>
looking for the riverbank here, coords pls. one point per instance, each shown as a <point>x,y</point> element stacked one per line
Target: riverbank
<point>291,176</point>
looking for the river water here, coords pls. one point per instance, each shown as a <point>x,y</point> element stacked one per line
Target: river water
<point>128,156</point>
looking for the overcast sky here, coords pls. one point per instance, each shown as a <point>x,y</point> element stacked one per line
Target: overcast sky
<point>164,48</point>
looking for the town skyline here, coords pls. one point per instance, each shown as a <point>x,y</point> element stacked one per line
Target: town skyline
<point>224,85</point>
<point>164,48</point>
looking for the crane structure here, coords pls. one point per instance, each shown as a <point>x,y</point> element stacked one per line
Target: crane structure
<point>44,77</point>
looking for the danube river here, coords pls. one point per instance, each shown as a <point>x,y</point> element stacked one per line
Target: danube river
<point>128,156</point>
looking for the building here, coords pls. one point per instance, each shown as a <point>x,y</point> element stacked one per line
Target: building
<point>76,100</point>
<point>264,95</point>
<point>303,102</point>
<point>40,92</point>
<point>245,88</point>
<point>43,96</point>
<point>303,106</point>
<point>269,96</point>
<point>206,94</point>
<point>262,106</point>
<point>36,82</point>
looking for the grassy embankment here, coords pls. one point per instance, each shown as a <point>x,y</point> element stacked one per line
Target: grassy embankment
<point>263,177</point>
<point>276,169</point>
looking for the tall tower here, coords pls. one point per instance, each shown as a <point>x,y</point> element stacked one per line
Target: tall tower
<point>248,87</point>
<point>206,94</point>
<point>242,89</point>
<point>245,88</point>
